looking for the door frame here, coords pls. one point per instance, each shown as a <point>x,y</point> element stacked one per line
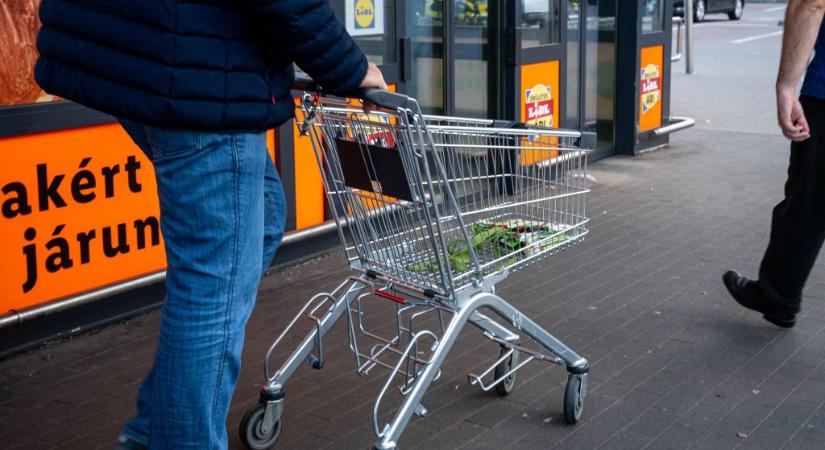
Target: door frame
<point>494,64</point>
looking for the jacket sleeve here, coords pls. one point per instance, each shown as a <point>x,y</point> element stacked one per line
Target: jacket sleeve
<point>310,34</point>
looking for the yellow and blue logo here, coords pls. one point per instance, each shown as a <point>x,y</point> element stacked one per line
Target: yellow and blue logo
<point>364,14</point>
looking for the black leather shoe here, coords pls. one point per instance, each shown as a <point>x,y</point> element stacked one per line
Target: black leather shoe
<point>746,292</point>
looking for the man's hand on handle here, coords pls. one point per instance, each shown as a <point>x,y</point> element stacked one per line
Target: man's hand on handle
<point>374,78</point>
<point>790,115</point>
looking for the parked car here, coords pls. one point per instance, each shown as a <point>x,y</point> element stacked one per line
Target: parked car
<point>701,8</point>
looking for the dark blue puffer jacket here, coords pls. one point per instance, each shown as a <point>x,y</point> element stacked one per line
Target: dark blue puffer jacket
<point>209,64</point>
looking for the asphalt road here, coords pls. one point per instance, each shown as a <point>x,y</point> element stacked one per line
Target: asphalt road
<point>732,87</point>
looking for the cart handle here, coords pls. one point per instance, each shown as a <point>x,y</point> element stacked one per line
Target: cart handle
<point>378,97</point>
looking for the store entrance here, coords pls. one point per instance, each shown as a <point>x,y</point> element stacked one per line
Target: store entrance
<point>590,68</point>
<point>452,69</point>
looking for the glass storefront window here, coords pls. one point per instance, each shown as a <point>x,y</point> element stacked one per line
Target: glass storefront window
<point>653,16</point>
<point>471,55</point>
<point>371,24</point>
<point>573,62</point>
<point>540,22</point>
<point>424,24</point>
<point>599,74</point>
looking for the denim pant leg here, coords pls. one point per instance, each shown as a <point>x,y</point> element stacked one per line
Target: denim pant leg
<point>211,192</point>
<point>274,213</point>
<point>138,427</point>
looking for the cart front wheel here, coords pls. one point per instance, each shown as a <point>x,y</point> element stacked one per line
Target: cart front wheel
<point>252,433</point>
<point>573,400</point>
<point>509,383</point>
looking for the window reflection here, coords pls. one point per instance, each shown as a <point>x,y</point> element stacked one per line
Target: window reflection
<point>599,69</point>
<point>424,23</point>
<point>573,60</point>
<point>471,56</point>
<point>540,22</point>
<point>653,16</point>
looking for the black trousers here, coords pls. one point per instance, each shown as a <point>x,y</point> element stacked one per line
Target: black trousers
<point>798,225</point>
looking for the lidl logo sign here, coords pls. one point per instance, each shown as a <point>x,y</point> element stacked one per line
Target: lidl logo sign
<point>364,14</point>
<point>538,105</point>
<point>365,17</point>
<point>650,87</point>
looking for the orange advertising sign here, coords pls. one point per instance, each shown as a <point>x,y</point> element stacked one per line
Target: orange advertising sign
<point>79,210</point>
<point>539,103</point>
<point>650,88</point>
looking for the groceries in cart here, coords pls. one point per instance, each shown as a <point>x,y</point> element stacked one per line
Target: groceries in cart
<point>500,238</point>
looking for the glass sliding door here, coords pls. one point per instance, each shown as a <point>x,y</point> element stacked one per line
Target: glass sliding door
<point>424,24</point>
<point>450,55</point>
<point>471,55</point>
<point>574,48</point>
<point>599,74</point>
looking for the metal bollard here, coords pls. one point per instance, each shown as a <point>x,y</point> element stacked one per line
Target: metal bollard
<point>689,36</point>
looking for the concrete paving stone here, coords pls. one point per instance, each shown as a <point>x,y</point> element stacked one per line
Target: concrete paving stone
<point>684,398</point>
<point>793,371</point>
<point>726,395</point>
<point>309,442</point>
<point>340,405</point>
<point>334,429</point>
<point>744,418</point>
<point>798,407</point>
<point>675,438</point>
<point>807,438</point>
<point>663,382</point>
<point>625,440</point>
<point>514,429</point>
<point>719,438</point>
<point>774,432</point>
<point>442,418</point>
<point>620,385</point>
<point>454,436</point>
<point>770,394</point>
<point>652,421</point>
<point>598,430</point>
<point>297,425</point>
<point>473,445</point>
<point>700,419</point>
<point>495,412</point>
<point>636,402</point>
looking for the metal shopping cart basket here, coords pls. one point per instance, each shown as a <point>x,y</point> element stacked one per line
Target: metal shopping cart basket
<point>432,213</point>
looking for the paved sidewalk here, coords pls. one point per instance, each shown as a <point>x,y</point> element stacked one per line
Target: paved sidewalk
<point>675,363</point>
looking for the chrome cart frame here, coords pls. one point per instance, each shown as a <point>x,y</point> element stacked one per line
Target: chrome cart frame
<point>432,212</point>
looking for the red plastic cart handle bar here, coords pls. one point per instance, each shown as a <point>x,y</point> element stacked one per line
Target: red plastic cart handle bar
<point>389,296</point>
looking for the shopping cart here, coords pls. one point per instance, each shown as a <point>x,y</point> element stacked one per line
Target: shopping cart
<point>432,213</point>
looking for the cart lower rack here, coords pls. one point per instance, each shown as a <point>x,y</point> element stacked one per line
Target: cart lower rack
<point>432,212</point>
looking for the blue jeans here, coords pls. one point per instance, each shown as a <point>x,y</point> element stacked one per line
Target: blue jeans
<point>222,212</point>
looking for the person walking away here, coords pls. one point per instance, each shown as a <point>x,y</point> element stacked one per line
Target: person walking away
<point>196,84</point>
<point>798,223</point>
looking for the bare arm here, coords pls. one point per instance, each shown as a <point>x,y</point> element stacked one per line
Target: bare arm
<point>802,21</point>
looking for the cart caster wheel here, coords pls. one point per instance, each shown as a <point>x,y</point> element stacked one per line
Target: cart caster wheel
<point>252,434</point>
<point>509,383</point>
<point>573,400</point>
